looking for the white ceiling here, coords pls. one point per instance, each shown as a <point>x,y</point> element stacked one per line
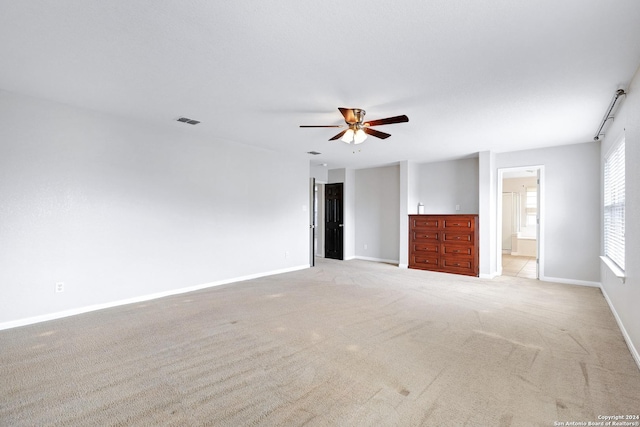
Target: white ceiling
<point>471,75</point>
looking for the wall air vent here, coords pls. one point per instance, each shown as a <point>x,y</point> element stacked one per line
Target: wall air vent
<point>313,153</point>
<point>188,120</point>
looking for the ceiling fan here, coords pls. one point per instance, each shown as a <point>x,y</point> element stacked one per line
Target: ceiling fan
<point>357,129</point>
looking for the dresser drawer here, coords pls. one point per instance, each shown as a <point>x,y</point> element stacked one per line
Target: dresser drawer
<point>457,250</point>
<point>458,224</point>
<point>425,222</point>
<point>425,260</point>
<point>426,247</point>
<point>425,235</point>
<point>459,264</point>
<point>454,236</point>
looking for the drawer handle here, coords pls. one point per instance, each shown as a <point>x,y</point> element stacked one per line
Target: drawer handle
<point>457,264</point>
<point>456,251</point>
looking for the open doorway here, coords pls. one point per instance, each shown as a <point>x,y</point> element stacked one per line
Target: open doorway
<point>520,221</point>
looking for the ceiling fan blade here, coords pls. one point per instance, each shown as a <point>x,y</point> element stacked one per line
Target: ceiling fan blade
<point>348,114</point>
<point>388,121</point>
<point>321,126</point>
<point>376,133</point>
<point>338,136</point>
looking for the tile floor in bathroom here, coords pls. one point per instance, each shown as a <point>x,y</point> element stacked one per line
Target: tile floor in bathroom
<point>519,266</point>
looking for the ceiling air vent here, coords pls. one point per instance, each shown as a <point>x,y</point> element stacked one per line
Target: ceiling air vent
<point>313,153</point>
<point>188,120</point>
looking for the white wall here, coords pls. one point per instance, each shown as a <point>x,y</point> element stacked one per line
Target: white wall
<point>350,214</point>
<point>408,201</point>
<point>571,199</point>
<point>443,185</point>
<point>624,298</point>
<point>320,173</point>
<point>488,214</point>
<point>118,210</point>
<point>377,213</point>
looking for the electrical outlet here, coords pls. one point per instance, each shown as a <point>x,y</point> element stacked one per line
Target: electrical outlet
<point>457,207</point>
<point>286,254</point>
<point>59,287</point>
<point>365,246</point>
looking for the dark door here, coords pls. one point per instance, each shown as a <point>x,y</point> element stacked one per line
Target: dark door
<point>334,216</point>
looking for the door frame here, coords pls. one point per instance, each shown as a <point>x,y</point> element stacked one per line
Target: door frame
<point>312,221</point>
<point>319,193</point>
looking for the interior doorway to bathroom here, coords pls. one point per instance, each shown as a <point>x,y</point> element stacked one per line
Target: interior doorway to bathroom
<point>520,221</point>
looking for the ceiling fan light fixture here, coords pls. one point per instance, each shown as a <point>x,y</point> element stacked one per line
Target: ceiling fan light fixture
<point>359,137</point>
<point>353,135</point>
<point>348,136</point>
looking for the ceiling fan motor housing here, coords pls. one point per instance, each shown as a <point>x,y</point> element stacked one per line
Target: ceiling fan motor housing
<point>358,115</point>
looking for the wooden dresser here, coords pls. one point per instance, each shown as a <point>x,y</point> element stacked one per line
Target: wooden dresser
<point>445,243</point>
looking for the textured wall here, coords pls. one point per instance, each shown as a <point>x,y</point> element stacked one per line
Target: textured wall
<point>117,209</point>
<point>377,213</point>
<point>571,207</point>
<point>443,185</point>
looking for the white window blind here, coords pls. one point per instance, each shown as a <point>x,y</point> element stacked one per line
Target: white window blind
<point>614,205</point>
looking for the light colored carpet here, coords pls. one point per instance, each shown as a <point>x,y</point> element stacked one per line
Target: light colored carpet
<point>349,343</point>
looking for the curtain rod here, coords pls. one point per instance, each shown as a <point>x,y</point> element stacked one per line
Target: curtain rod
<point>607,116</point>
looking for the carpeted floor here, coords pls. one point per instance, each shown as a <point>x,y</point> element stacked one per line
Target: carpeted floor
<point>349,343</point>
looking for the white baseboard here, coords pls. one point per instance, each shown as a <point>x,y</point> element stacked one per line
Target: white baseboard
<point>625,335</point>
<point>388,261</point>
<point>81,310</point>
<point>570,281</point>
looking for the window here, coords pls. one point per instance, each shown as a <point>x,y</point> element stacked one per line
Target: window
<point>614,205</point>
